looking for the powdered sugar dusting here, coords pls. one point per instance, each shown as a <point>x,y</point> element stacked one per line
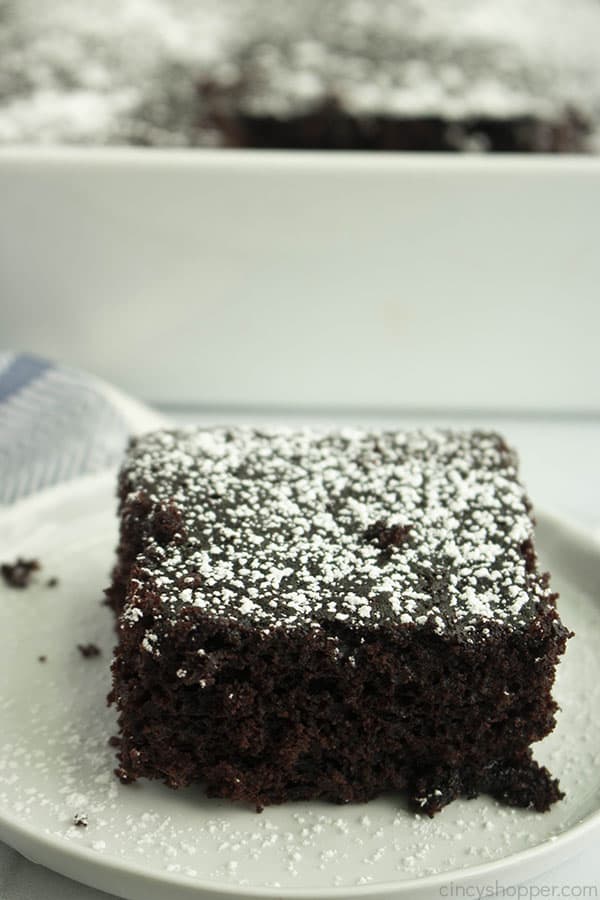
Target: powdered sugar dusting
<point>294,528</point>
<point>55,762</point>
<point>128,73</point>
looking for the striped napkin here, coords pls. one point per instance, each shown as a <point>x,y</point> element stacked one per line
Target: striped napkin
<point>57,423</point>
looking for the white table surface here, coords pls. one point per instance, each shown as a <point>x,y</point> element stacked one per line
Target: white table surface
<point>560,459</point>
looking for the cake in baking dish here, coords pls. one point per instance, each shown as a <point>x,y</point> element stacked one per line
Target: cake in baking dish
<point>310,614</point>
<point>474,75</point>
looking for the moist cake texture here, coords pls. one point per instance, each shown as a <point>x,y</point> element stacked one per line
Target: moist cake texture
<point>307,614</point>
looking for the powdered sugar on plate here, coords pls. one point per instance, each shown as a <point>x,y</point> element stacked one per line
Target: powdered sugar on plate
<point>55,762</point>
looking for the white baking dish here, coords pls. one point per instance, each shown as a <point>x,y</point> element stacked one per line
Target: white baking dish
<point>308,279</point>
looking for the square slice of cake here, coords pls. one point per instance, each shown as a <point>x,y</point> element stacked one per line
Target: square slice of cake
<point>332,614</point>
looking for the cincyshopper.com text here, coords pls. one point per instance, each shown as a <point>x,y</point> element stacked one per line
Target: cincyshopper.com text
<point>518,891</point>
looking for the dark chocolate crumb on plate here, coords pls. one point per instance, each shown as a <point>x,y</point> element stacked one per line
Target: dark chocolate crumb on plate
<point>42,659</point>
<point>52,582</point>
<point>123,775</point>
<point>89,650</point>
<point>80,821</point>
<point>19,573</point>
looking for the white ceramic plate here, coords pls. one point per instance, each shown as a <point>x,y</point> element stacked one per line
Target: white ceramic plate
<point>146,841</point>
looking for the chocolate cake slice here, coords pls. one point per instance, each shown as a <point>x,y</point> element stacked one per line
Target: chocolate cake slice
<point>330,615</point>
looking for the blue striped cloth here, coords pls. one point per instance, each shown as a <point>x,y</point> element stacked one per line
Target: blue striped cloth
<point>57,423</point>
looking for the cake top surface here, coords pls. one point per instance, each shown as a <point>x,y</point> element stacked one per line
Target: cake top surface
<point>99,72</point>
<point>291,528</point>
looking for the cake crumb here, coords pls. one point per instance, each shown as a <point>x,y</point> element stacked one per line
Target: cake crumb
<point>89,650</point>
<point>19,573</point>
<point>80,821</point>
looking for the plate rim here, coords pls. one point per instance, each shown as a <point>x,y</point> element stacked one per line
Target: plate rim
<point>85,865</point>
